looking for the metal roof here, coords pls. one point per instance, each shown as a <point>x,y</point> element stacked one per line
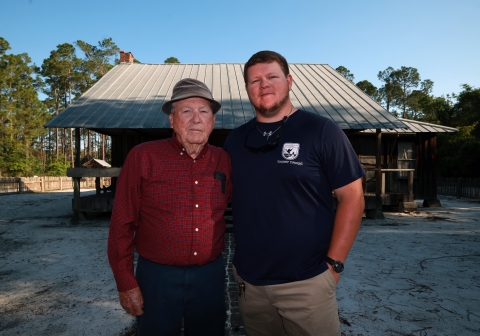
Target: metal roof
<point>130,97</point>
<point>414,126</point>
<point>97,163</point>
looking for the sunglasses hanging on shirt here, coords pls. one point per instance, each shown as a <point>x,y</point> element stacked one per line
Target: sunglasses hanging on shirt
<point>269,146</point>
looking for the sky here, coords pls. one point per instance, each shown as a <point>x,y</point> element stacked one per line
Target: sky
<point>440,38</point>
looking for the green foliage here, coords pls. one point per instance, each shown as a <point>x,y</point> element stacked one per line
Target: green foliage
<point>390,91</point>
<point>98,59</point>
<point>22,114</point>
<point>4,46</point>
<point>18,164</point>
<point>370,89</point>
<point>463,161</point>
<point>401,89</point>
<point>345,73</point>
<point>172,60</point>
<point>468,105</point>
<point>57,168</point>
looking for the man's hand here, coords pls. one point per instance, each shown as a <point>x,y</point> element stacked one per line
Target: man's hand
<point>132,301</point>
<point>336,275</point>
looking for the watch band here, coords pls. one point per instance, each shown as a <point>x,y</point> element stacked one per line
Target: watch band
<point>336,264</point>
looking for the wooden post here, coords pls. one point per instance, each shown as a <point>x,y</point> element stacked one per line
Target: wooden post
<point>459,187</point>
<point>77,147</point>
<point>61,183</point>
<point>378,167</point>
<point>383,183</point>
<point>19,180</point>
<point>410,186</point>
<point>42,184</point>
<point>76,180</point>
<point>377,213</point>
<point>97,185</point>
<point>76,196</point>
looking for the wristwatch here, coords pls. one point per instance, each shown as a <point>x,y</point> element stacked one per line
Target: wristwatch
<point>336,265</point>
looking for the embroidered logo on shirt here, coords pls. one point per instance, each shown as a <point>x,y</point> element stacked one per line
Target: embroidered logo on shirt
<point>290,151</point>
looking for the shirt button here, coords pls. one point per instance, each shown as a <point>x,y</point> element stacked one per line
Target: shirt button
<point>181,153</point>
<point>196,229</point>
<point>196,182</point>
<point>196,205</point>
<point>194,161</point>
<point>194,253</point>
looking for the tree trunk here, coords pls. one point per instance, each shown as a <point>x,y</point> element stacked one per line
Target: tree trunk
<point>104,138</point>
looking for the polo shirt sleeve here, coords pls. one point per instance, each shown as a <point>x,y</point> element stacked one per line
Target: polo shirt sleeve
<point>123,223</point>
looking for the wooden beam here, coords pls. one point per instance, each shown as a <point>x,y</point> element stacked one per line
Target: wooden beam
<point>76,197</point>
<point>93,172</point>
<point>77,147</point>
<point>378,168</point>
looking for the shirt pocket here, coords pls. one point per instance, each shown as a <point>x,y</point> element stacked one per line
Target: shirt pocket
<point>213,191</point>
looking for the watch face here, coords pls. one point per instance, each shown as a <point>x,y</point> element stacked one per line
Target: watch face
<point>338,267</point>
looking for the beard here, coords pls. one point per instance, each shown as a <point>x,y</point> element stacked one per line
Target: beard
<point>273,110</point>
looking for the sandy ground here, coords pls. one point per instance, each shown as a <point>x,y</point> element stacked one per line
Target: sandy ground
<point>410,274</point>
<point>54,273</point>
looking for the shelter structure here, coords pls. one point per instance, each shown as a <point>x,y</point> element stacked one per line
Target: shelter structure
<point>126,105</point>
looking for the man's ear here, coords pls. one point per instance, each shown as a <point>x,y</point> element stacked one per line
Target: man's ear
<point>289,81</point>
<point>170,116</point>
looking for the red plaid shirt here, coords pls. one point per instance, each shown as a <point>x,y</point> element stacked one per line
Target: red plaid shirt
<point>169,206</point>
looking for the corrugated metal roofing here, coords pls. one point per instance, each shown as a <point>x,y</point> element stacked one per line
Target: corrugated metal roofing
<point>130,97</point>
<point>416,127</point>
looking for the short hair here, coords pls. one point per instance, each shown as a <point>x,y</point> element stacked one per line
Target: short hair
<point>265,56</point>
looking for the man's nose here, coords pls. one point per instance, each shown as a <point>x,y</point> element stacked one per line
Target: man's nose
<point>196,117</point>
<point>264,83</point>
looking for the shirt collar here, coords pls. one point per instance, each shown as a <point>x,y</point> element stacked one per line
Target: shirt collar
<point>180,149</point>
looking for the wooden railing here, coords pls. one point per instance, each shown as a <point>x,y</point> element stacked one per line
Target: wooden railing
<point>459,187</point>
<point>41,184</point>
<point>410,173</point>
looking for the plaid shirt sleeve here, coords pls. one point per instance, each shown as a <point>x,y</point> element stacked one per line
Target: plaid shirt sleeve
<point>123,223</point>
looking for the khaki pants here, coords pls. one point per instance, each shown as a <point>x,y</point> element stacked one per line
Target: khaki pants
<point>307,307</point>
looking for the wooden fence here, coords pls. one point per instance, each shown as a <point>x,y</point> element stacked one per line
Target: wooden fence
<point>459,187</point>
<point>44,183</point>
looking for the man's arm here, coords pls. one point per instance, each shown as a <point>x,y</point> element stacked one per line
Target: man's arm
<point>348,217</point>
<point>121,235</point>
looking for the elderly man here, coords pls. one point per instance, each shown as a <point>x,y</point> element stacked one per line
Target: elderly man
<point>290,242</point>
<point>170,199</point>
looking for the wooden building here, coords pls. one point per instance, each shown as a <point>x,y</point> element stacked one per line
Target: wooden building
<point>126,104</point>
<point>412,150</point>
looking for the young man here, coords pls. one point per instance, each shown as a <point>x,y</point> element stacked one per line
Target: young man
<point>290,242</point>
<point>169,204</point>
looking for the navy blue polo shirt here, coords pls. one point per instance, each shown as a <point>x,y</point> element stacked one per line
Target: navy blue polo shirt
<point>282,200</point>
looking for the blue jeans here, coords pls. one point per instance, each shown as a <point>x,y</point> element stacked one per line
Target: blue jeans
<point>194,293</point>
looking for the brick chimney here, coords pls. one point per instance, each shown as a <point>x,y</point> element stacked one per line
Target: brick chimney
<point>126,57</point>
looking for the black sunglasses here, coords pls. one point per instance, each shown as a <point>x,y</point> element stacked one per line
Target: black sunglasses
<point>267,147</point>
